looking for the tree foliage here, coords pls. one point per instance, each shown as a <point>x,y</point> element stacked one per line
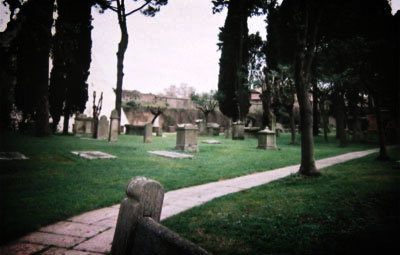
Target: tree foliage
<point>71,55</point>
<point>205,102</point>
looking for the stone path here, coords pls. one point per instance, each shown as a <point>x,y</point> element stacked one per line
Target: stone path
<point>92,232</point>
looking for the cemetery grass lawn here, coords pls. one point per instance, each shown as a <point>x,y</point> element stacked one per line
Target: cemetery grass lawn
<point>53,184</point>
<point>353,208</point>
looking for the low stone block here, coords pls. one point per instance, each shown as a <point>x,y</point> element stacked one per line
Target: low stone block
<point>93,154</point>
<point>211,141</point>
<point>170,154</point>
<point>12,156</point>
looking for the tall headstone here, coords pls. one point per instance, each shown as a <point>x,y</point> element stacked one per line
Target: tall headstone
<point>79,126</point>
<point>201,124</point>
<point>148,131</point>
<point>186,138</point>
<point>266,139</point>
<point>89,126</point>
<point>102,128</point>
<point>114,126</point>
<point>238,131</point>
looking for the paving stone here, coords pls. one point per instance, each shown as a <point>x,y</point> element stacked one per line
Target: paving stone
<point>211,141</point>
<point>109,222</point>
<point>93,154</point>
<point>61,251</point>
<point>52,239</point>
<point>170,154</point>
<point>73,229</point>
<point>21,249</point>
<point>96,216</point>
<point>100,243</point>
<point>12,156</point>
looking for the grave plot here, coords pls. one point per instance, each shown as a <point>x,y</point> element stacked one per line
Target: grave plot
<point>93,154</point>
<point>12,156</point>
<point>170,154</point>
<point>211,141</point>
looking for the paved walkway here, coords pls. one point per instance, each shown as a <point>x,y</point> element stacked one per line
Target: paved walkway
<point>92,232</point>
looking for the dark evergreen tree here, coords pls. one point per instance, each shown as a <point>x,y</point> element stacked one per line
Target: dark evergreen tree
<point>32,47</point>
<point>71,59</point>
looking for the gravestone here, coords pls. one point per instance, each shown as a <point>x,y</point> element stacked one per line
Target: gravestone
<point>238,131</point>
<point>213,129</point>
<point>148,131</point>
<point>266,139</point>
<point>228,133</point>
<point>79,126</point>
<point>93,154</point>
<point>202,127</point>
<point>89,125</point>
<point>114,126</point>
<point>159,131</point>
<point>186,138</point>
<point>171,154</point>
<point>12,156</point>
<point>102,128</point>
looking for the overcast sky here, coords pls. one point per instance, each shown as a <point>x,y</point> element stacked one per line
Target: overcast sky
<point>176,46</point>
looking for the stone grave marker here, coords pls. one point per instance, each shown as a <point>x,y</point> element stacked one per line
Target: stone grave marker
<point>93,154</point>
<point>211,141</point>
<point>102,128</point>
<point>114,126</point>
<point>148,132</point>
<point>12,156</point>
<point>238,131</point>
<point>186,138</point>
<point>171,154</point>
<point>266,140</point>
<point>213,129</point>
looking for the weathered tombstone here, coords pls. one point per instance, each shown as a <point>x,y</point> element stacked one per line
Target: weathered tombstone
<point>138,229</point>
<point>213,129</point>
<point>102,128</point>
<point>159,131</point>
<point>148,131</point>
<point>238,131</point>
<point>88,125</point>
<point>144,198</point>
<point>114,126</point>
<point>186,138</point>
<point>79,126</point>
<point>202,127</point>
<point>266,140</point>
<point>228,133</point>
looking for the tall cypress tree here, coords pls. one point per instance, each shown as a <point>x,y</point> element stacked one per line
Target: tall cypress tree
<point>71,59</point>
<point>32,47</point>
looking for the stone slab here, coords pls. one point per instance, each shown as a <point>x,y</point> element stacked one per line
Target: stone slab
<point>109,222</point>
<point>100,243</point>
<point>61,251</point>
<point>12,156</point>
<point>73,229</point>
<point>52,239</point>
<point>93,154</point>
<point>170,154</point>
<point>211,141</point>
<point>96,216</point>
<point>21,249</point>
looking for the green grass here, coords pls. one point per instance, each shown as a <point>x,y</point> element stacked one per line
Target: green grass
<point>55,184</point>
<point>353,208</point>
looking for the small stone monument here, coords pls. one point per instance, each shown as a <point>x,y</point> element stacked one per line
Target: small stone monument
<point>148,131</point>
<point>186,138</point>
<point>113,135</point>
<point>266,139</point>
<point>102,128</point>
<point>213,129</point>
<point>238,131</point>
<point>202,127</point>
<point>79,126</point>
<point>89,125</point>
<point>228,133</point>
<point>159,131</point>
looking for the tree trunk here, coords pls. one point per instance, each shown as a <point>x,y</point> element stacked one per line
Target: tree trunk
<point>66,124</point>
<point>42,102</point>
<point>325,119</point>
<point>122,46</point>
<point>292,127</point>
<point>383,156</point>
<point>316,114</point>
<point>340,119</point>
